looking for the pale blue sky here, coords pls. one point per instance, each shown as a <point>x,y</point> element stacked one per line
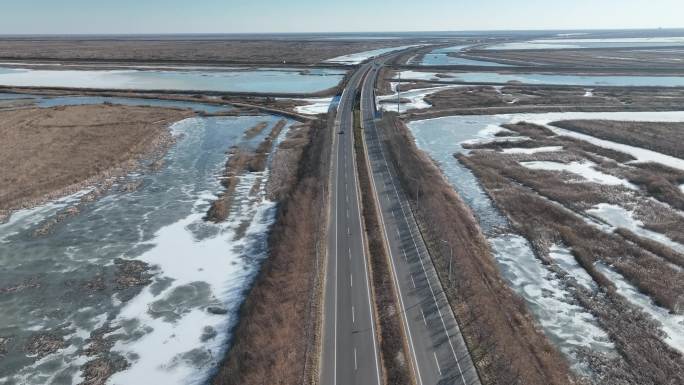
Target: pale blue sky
<point>229,16</point>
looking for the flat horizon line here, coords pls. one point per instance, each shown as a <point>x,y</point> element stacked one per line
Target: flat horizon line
<point>333,33</point>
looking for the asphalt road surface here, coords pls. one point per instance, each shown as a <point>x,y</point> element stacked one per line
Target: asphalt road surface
<point>350,352</point>
<point>437,348</point>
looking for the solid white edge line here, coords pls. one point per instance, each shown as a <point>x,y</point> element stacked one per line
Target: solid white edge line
<point>337,162</point>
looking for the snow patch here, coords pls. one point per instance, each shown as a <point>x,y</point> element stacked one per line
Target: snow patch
<point>566,261</point>
<point>568,324</point>
<point>571,34</point>
<point>192,264</point>
<point>315,106</point>
<point>520,150</point>
<point>418,75</point>
<point>359,57</point>
<point>545,119</point>
<point>586,170</point>
<point>416,99</point>
<point>671,324</point>
<point>658,40</point>
<point>617,216</point>
<point>642,155</point>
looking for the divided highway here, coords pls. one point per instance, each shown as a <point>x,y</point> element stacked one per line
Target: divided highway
<point>350,353</point>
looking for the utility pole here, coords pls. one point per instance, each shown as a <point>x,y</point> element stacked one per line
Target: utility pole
<point>451,257</point>
<point>398,98</point>
<point>418,185</point>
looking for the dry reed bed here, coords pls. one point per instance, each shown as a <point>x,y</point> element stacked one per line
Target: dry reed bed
<point>644,357</point>
<point>547,208</point>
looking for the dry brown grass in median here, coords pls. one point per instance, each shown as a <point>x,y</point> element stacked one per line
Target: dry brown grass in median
<point>45,151</point>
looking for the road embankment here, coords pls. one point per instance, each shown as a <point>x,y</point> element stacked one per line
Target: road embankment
<point>276,339</point>
<point>505,343</point>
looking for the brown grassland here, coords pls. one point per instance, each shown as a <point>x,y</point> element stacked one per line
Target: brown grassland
<point>49,152</point>
<point>626,58</point>
<point>656,136</point>
<point>185,51</point>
